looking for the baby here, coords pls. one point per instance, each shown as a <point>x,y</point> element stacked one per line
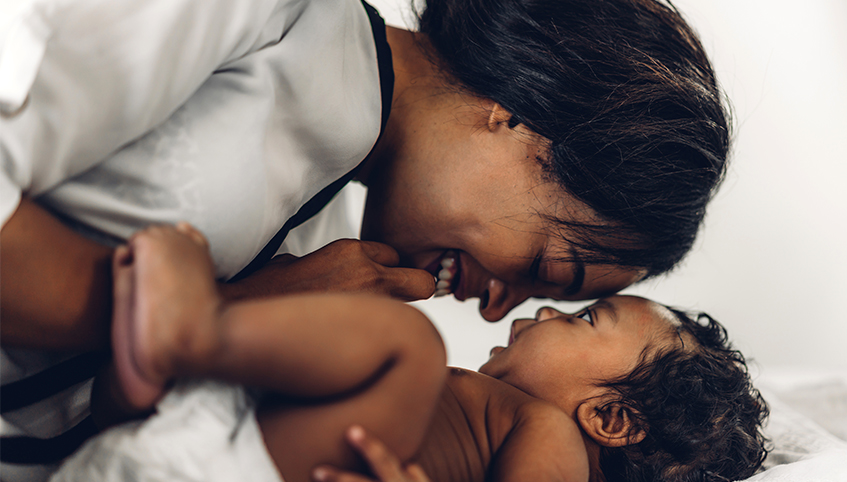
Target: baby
<point>625,389</point>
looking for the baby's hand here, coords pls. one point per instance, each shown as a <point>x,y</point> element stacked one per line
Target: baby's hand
<point>383,463</point>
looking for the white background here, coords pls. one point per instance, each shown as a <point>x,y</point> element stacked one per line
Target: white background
<point>771,263</point>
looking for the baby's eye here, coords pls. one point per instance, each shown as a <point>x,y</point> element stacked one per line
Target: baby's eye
<point>587,316</point>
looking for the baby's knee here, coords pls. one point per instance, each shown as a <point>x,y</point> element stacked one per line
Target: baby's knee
<point>424,348</point>
<point>418,332</point>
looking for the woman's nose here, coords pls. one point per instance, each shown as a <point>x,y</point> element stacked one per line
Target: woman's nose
<point>499,299</point>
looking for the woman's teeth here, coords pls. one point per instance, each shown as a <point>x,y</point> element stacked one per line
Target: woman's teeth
<point>445,275</point>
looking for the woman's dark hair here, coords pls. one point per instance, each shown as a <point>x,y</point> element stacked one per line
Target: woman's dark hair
<point>701,415</point>
<point>624,93</point>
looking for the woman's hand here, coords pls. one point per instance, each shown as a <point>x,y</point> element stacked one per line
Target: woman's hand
<point>383,463</point>
<point>346,265</point>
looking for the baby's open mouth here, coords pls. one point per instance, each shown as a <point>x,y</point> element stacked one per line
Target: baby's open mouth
<point>446,272</point>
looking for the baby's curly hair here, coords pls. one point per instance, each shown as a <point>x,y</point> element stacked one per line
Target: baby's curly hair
<point>700,412</point>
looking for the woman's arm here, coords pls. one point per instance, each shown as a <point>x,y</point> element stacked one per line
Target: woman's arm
<point>55,285</point>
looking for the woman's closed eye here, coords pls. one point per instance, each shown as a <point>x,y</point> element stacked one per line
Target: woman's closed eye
<point>586,315</point>
<point>534,269</point>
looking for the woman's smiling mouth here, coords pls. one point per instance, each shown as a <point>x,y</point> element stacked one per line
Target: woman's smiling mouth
<point>446,272</point>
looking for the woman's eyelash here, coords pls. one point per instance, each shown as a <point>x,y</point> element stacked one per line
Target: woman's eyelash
<point>588,316</point>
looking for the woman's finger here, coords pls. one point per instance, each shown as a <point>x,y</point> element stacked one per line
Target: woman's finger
<point>409,284</point>
<point>380,253</point>
<point>386,466</point>
<point>372,267</point>
<point>326,473</point>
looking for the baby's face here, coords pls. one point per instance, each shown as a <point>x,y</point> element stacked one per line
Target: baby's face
<point>561,358</point>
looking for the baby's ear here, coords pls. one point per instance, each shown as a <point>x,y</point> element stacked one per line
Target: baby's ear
<point>610,424</point>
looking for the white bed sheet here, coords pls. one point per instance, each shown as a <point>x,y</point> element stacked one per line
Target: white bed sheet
<point>807,427</point>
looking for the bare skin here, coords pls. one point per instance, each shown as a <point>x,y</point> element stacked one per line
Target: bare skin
<point>381,365</point>
<point>55,284</point>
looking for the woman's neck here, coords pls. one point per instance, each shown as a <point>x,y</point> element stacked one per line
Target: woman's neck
<point>415,79</point>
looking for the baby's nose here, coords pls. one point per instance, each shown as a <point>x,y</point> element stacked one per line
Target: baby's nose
<point>546,313</point>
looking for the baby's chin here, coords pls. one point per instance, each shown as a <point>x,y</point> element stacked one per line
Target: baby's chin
<point>486,368</point>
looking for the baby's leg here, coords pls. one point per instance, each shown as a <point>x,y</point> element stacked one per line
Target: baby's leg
<point>331,360</point>
<point>165,308</point>
<point>334,360</point>
<point>353,360</point>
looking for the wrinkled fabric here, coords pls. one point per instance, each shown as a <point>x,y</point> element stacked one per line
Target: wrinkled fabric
<point>203,431</point>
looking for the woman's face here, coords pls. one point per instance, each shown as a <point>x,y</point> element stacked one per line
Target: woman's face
<point>467,188</point>
<point>560,357</point>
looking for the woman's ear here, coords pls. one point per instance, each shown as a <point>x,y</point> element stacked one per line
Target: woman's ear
<point>609,424</point>
<point>497,116</point>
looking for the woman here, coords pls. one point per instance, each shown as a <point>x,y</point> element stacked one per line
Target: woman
<point>549,149</point>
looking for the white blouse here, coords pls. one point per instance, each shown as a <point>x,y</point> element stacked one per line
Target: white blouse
<point>224,113</point>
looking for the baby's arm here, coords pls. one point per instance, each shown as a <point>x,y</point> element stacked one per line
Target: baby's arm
<point>545,445</point>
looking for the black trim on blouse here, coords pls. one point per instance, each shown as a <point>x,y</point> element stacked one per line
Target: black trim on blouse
<point>321,199</point>
<point>20,449</point>
<point>45,384</point>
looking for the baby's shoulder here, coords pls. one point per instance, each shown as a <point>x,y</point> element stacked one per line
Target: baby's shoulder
<point>506,401</point>
<point>531,439</point>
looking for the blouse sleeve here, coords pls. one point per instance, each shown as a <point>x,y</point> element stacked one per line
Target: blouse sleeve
<point>81,78</point>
